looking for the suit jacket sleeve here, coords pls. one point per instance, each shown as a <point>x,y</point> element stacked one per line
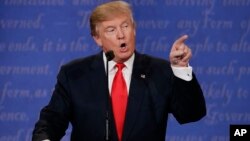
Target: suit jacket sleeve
<point>170,94</point>
<point>187,103</point>
<point>54,118</point>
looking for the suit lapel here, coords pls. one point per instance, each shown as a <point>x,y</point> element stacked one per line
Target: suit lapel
<point>136,94</point>
<point>100,87</point>
<point>98,78</point>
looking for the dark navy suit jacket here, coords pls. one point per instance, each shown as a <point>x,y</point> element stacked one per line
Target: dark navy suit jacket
<point>80,97</point>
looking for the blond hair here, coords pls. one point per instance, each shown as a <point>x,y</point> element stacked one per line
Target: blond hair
<point>108,11</point>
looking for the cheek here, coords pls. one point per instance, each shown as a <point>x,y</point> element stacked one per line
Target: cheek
<point>109,44</point>
<point>131,37</point>
<point>131,34</point>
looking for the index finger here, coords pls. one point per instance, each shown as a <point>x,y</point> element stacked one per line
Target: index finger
<point>181,40</point>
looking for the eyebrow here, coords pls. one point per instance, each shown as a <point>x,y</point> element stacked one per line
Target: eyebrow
<point>112,26</point>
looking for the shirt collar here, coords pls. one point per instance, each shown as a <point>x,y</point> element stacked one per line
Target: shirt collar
<point>128,63</point>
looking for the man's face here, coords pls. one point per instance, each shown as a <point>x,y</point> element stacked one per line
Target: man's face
<point>117,35</point>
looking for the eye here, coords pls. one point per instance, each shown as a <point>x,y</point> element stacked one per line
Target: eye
<point>110,30</point>
<point>125,26</point>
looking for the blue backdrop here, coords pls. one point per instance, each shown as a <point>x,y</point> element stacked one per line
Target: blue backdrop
<point>38,36</point>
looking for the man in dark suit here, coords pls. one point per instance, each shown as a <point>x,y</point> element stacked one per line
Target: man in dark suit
<point>154,87</point>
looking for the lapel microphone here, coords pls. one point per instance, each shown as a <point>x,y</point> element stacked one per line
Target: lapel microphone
<point>110,56</point>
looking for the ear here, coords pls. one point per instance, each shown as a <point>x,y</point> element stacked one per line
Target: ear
<point>98,40</point>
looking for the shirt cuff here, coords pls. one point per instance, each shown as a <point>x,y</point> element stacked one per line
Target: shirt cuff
<point>184,73</point>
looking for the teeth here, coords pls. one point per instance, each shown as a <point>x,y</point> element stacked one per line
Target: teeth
<point>123,45</point>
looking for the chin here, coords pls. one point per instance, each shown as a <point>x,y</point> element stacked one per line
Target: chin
<point>122,58</point>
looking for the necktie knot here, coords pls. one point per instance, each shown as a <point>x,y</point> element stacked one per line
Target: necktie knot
<point>120,66</point>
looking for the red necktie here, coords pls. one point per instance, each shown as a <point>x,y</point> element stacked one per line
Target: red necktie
<point>119,96</point>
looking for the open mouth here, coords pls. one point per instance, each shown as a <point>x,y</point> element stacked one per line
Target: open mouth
<point>123,45</point>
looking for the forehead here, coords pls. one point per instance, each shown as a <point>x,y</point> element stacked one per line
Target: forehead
<point>116,21</point>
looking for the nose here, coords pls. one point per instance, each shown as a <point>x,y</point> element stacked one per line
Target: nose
<point>120,34</point>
